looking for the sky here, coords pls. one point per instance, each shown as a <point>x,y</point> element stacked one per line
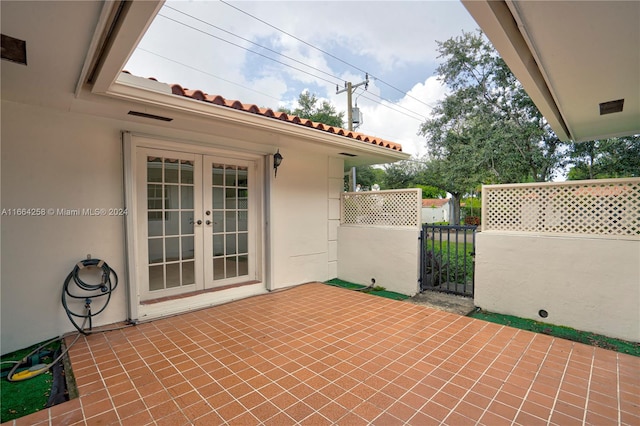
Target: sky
<point>268,52</point>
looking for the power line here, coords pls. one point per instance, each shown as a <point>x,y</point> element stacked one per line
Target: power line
<point>326,53</point>
<point>248,50</point>
<point>278,53</point>
<point>252,42</point>
<point>207,73</point>
<point>272,59</point>
<point>422,118</point>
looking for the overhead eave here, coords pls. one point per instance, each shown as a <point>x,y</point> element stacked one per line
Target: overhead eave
<point>499,25</point>
<point>121,26</point>
<point>159,99</point>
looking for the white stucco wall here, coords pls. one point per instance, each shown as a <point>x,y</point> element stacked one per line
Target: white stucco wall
<point>305,203</point>
<point>56,159</point>
<point>590,284</point>
<point>390,255</point>
<point>435,214</point>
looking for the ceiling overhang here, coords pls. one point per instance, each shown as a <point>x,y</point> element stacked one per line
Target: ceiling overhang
<point>571,56</point>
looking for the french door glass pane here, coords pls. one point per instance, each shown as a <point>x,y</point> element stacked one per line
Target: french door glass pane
<point>186,171</point>
<point>232,267</point>
<point>216,176</point>
<point>170,216</point>
<point>188,273</point>
<point>230,219</point>
<point>173,275</point>
<point>170,170</point>
<point>187,248</point>
<point>156,250</point>
<point>218,222</point>
<point>156,277</point>
<point>242,221</point>
<point>243,246</point>
<point>171,226</point>
<point>218,268</point>
<point>243,177</point>
<point>231,244</point>
<point>243,265</point>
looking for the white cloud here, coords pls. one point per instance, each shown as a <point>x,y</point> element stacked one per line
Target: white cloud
<point>393,40</point>
<point>393,123</point>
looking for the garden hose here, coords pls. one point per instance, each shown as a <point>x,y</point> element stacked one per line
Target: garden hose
<point>38,369</point>
<point>102,291</point>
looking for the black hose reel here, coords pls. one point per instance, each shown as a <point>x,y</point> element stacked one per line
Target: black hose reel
<point>105,281</point>
<point>75,288</point>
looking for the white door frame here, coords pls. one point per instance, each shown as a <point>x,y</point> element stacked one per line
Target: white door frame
<point>131,143</point>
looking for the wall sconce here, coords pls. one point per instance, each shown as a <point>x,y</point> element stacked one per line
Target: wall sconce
<point>277,160</point>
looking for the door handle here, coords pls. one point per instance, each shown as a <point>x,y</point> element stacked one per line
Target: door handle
<point>208,222</point>
<point>198,222</point>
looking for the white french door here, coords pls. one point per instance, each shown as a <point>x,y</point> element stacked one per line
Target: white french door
<point>196,222</point>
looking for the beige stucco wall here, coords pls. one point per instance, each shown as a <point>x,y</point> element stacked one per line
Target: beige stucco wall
<point>390,255</point>
<point>302,211</point>
<point>590,284</point>
<point>56,159</point>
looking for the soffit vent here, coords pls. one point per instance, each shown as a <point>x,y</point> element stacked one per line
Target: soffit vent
<point>346,154</point>
<point>151,116</point>
<point>14,50</point>
<point>611,107</point>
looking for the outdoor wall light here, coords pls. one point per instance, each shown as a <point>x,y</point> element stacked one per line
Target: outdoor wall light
<point>277,160</point>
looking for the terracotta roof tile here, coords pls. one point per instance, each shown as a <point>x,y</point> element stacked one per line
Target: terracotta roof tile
<point>199,95</point>
<point>434,202</point>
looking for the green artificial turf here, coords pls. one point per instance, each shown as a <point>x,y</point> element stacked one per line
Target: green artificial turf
<point>18,399</point>
<point>568,333</point>
<point>376,291</point>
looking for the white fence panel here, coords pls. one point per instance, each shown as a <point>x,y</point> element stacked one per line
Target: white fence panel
<point>394,208</point>
<point>607,207</point>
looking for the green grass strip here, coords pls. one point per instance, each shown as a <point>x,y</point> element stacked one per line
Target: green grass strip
<point>376,291</point>
<point>568,333</point>
<point>18,399</point>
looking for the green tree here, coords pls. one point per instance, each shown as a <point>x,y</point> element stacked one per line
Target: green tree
<point>323,113</point>
<point>429,191</point>
<point>366,177</point>
<point>400,175</point>
<point>487,130</point>
<point>605,158</point>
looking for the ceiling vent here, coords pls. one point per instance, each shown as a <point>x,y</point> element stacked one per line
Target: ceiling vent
<point>151,116</point>
<point>14,50</point>
<point>611,107</point>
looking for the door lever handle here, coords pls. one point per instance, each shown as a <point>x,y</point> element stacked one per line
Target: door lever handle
<point>208,222</point>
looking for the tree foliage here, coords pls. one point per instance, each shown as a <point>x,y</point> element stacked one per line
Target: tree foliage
<point>606,158</point>
<point>310,107</point>
<point>366,177</point>
<point>487,130</point>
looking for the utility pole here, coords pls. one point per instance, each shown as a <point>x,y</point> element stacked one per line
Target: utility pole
<point>349,88</point>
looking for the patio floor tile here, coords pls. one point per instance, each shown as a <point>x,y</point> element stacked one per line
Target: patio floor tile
<point>316,355</point>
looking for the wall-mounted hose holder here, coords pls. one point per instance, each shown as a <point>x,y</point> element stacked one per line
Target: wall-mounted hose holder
<point>77,289</point>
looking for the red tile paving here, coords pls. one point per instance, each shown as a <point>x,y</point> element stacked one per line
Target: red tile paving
<point>317,354</point>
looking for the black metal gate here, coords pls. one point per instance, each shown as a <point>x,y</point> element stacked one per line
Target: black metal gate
<point>447,258</point>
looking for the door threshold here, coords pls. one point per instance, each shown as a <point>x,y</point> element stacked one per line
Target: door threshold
<point>196,293</point>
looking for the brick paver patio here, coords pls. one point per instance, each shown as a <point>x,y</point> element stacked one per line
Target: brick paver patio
<point>316,354</point>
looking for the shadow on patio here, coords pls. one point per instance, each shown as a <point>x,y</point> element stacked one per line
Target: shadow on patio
<point>317,354</point>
